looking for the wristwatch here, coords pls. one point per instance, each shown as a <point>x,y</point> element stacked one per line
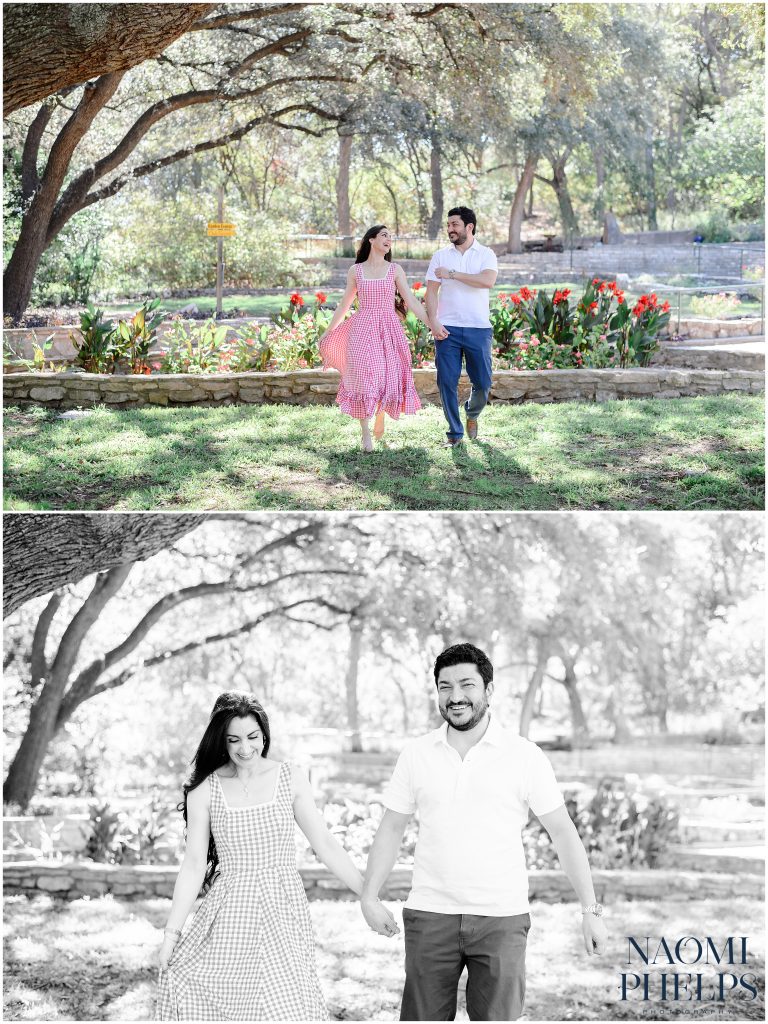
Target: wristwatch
<point>593,908</point>
<point>451,274</point>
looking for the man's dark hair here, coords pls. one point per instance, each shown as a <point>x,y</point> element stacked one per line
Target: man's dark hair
<point>467,215</point>
<point>465,654</point>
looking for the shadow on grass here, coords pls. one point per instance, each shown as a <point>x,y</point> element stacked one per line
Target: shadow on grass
<point>94,960</point>
<point>652,454</point>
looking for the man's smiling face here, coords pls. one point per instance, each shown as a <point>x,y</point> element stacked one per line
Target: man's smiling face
<point>462,696</point>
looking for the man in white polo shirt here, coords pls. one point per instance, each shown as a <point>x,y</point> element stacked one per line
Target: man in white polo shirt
<point>459,282</point>
<point>472,783</point>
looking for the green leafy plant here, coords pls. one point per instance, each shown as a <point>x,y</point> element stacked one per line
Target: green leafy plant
<point>103,841</point>
<point>620,828</point>
<point>252,349</point>
<point>134,337</point>
<point>95,342</point>
<point>715,306</point>
<point>198,350</point>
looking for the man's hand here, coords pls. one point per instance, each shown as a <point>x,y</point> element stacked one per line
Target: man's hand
<point>439,333</point>
<point>378,917</point>
<point>442,273</point>
<point>595,934</point>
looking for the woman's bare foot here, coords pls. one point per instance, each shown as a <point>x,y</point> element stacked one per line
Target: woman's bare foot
<point>378,425</point>
<point>367,440</point>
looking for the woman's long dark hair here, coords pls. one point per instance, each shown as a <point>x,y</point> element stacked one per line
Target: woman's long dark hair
<point>212,754</point>
<point>365,251</point>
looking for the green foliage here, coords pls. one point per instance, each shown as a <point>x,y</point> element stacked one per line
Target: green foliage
<point>620,828</point>
<point>70,266</point>
<point>194,350</point>
<point>252,349</point>
<point>161,245</point>
<point>715,306</point>
<point>96,339</point>
<point>532,331</point>
<point>103,841</point>
<point>134,337</point>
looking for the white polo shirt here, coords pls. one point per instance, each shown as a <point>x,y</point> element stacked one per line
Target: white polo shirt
<point>469,855</point>
<point>459,304</point>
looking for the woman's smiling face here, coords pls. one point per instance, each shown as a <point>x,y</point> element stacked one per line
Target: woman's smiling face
<point>244,739</point>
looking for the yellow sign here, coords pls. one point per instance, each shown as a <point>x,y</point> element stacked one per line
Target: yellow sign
<point>218,230</point>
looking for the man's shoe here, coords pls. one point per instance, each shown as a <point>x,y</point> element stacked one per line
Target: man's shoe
<point>472,429</point>
<point>451,442</point>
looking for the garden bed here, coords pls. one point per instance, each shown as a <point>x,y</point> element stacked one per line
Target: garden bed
<point>317,387</point>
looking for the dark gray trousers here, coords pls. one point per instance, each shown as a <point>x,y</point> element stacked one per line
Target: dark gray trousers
<point>439,946</point>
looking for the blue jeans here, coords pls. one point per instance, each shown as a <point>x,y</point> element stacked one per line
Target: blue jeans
<point>473,345</point>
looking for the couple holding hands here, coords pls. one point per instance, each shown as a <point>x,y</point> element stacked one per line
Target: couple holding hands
<point>371,351</point>
<point>248,953</point>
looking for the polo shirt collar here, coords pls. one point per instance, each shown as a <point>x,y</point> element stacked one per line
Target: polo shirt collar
<point>493,734</point>
<point>473,246</point>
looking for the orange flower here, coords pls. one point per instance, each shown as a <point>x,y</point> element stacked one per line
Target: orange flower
<point>296,299</point>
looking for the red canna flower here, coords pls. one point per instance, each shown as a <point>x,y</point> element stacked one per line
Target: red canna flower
<point>665,308</point>
<point>296,299</point>
<point>526,293</point>
<point>592,307</point>
<point>417,285</point>
<point>321,297</point>
<point>516,299</point>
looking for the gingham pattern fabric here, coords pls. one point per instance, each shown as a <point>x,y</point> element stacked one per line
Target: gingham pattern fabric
<point>371,352</point>
<point>249,952</point>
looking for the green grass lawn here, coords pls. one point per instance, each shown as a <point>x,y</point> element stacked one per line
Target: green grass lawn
<point>703,453</point>
<point>268,305</point>
<point>95,960</point>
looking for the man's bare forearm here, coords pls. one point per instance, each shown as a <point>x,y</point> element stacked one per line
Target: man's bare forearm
<point>475,280</point>
<point>383,855</point>
<point>573,860</point>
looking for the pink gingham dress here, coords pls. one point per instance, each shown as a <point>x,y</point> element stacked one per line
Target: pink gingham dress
<point>371,352</point>
<point>249,952</point>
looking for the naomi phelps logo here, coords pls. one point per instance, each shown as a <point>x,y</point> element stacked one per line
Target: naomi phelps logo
<point>699,971</point>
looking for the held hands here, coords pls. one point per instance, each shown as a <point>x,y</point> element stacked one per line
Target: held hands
<point>437,330</point>
<point>378,917</point>
<point>595,934</point>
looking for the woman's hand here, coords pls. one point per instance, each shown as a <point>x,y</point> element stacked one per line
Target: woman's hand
<point>169,944</point>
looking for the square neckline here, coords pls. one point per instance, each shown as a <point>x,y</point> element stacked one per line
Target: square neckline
<point>372,279</point>
<point>261,803</point>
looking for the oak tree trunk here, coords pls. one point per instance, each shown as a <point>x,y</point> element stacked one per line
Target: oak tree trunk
<point>560,185</point>
<point>534,686</point>
<point>514,240</point>
<point>343,220</point>
<point>48,47</point>
<point>350,683</point>
<point>435,221</point>
<point>43,552</point>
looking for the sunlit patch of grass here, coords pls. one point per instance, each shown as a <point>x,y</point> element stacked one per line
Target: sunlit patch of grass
<point>675,454</point>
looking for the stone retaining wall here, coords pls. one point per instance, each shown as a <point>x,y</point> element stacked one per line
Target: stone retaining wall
<point>317,387</point>
<point>73,880</point>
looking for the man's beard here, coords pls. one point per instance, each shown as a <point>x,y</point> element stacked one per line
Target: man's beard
<point>460,240</point>
<point>478,711</point>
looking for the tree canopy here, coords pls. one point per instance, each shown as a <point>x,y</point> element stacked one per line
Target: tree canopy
<point>597,629</point>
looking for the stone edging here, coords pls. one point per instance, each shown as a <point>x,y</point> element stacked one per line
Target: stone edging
<point>75,879</point>
<point>318,387</point>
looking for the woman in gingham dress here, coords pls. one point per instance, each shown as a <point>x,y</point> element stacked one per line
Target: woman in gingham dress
<point>370,349</point>
<point>249,952</point>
